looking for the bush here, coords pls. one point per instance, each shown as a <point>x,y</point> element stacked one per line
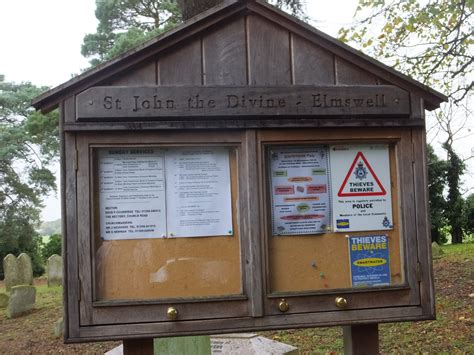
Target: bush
<point>53,246</point>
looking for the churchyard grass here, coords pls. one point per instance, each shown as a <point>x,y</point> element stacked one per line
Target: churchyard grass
<point>451,333</point>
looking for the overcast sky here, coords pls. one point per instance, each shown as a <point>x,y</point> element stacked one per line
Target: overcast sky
<point>40,41</point>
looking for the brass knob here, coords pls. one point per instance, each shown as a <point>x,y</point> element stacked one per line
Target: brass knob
<point>172,313</point>
<point>341,302</point>
<point>283,306</point>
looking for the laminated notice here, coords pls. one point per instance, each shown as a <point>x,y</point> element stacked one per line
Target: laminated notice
<point>299,190</point>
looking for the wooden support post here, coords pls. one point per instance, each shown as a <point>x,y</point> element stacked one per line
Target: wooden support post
<point>138,346</point>
<point>361,339</point>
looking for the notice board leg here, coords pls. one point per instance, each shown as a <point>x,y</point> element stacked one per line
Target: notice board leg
<point>361,339</point>
<point>138,346</point>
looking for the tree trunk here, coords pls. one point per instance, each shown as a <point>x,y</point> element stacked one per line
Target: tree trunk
<point>190,8</point>
<point>455,202</point>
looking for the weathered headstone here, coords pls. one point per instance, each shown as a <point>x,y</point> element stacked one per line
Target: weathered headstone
<point>58,327</point>
<point>10,269</point>
<point>249,344</point>
<point>55,270</point>
<point>436,250</point>
<point>3,300</point>
<point>22,299</point>
<point>25,270</point>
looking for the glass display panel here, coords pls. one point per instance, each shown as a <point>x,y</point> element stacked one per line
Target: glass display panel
<point>345,228</point>
<point>165,223</point>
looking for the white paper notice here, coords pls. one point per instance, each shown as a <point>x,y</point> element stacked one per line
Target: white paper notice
<point>299,190</point>
<point>132,193</point>
<point>360,176</point>
<point>198,192</point>
<point>159,193</point>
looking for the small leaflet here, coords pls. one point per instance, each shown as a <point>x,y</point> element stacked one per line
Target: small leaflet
<point>369,258</point>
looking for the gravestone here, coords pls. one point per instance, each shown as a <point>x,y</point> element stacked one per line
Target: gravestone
<point>22,299</point>
<point>3,300</point>
<point>25,270</point>
<point>10,269</point>
<point>55,270</point>
<point>249,344</point>
<point>58,327</point>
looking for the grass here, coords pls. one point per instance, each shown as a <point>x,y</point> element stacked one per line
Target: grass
<point>451,333</point>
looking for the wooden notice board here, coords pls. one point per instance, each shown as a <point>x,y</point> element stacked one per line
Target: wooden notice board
<point>161,268</point>
<point>321,262</point>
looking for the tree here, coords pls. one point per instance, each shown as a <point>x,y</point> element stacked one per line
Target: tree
<point>53,246</point>
<point>124,24</point>
<point>431,41</point>
<point>28,145</point>
<point>454,201</point>
<point>469,215</point>
<point>455,168</point>
<point>190,8</point>
<point>436,181</point>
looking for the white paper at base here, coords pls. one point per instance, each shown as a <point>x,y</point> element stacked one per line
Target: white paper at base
<point>361,188</point>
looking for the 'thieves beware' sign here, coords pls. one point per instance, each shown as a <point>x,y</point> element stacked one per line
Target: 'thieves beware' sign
<point>360,176</point>
<point>369,257</point>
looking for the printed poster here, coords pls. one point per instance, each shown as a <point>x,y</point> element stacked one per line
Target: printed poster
<point>131,193</point>
<point>361,187</point>
<point>300,190</point>
<point>198,192</point>
<point>163,193</point>
<point>369,257</point>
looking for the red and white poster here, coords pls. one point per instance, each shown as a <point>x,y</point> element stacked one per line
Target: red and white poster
<point>360,179</point>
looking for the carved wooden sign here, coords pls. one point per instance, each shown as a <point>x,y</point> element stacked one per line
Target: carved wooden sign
<point>155,102</point>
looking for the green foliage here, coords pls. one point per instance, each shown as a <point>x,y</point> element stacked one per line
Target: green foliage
<point>436,181</point>
<point>295,7</point>
<point>430,40</point>
<point>454,201</point>
<point>53,246</point>
<point>469,215</point>
<point>28,145</point>
<point>124,24</point>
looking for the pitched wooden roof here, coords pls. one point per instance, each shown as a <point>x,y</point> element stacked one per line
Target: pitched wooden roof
<point>309,41</point>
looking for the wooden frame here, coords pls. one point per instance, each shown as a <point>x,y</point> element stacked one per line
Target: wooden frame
<point>256,308</point>
<point>403,294</point>
<point>93,312</point>
<point>242,48</point>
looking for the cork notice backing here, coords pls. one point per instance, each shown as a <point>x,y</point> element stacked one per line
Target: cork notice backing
<point>159,268</point>
<point>317,262</point>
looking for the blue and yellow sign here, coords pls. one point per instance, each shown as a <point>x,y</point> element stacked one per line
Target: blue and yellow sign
<point>369,257</point>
